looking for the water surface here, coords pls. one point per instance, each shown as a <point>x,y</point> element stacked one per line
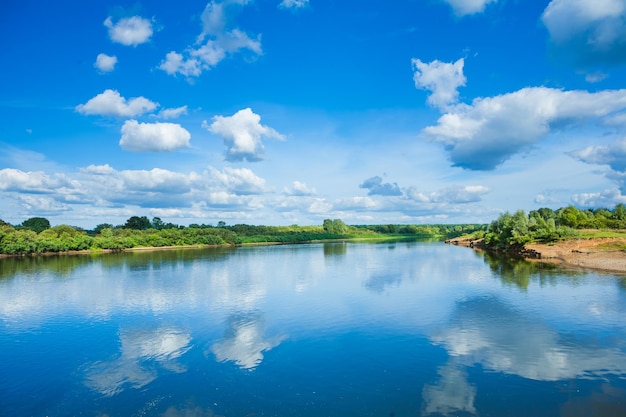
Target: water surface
<point>335,329</point>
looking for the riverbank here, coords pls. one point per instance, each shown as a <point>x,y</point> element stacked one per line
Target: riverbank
<point>381,238</point>
<point>599,254</point>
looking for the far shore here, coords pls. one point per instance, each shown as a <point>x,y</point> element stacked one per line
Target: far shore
<point>226,245</point>
<point>597,254</point>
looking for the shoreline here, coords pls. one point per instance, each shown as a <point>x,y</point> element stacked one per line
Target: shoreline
<point>227,245</point>
<point>594,254</point>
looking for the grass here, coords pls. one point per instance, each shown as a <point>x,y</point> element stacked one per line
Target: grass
<point>613,246</point>
<point>601,233</point>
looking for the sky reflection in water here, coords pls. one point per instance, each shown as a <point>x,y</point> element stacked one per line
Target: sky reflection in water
<point>407,328</point>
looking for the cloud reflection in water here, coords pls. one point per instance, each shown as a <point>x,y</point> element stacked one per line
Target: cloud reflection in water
<point>243,341</point>
<point>137,350</point>
<point>486,331</point>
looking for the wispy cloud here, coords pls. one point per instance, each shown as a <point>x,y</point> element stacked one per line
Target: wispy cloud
<point>217,40</point>
<point>468,7</point>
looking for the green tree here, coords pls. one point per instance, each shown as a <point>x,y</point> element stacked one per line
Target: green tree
<point>99,228</point>
<point>36,224</point>
<point>157,223</point>
<point>138,223</point>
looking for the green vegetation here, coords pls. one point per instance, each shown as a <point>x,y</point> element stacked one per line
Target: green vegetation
<point>510,231</point>
<point>36,236</point>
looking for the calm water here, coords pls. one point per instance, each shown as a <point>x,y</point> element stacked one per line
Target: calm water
<point>393,329</point>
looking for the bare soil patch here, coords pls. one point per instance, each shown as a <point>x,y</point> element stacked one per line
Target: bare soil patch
<point>603,254</point>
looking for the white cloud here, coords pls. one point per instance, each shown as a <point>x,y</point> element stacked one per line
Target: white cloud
<point>442,79</point>
<point>595,77</point>
<point>462,194</point>
<point>293,4</point>
<point>172,113</point>
<point>41,205</point>
<point>451,195</point>
<point>32,181</point>
<point>105,63</point>
<point>157,179</point>
<point>242,133</point>
<point>111,103</point>
<point>486,133</point>
<point>606,198</point>
<point>176,63</point>
<point>613,155</point>
<point>239,180</point>
<point>375,186</point>
<point>300,189</point>
<point>468,7</point>
<point>355,203</point>
<point>222,41</point>
<point>129,31</point>
<point>588,31</point>
<point>105,169</point>
<point>153,137</point>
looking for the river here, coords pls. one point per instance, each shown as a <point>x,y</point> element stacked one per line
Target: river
<point>335,329</point>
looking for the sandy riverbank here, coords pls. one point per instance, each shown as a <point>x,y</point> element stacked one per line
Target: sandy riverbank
<point>600,254</point>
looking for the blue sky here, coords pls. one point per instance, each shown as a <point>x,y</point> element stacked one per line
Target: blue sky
<point>293,111</point>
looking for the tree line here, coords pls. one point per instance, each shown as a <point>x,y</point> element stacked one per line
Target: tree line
<point>547,225</point>
<point>36,235</point>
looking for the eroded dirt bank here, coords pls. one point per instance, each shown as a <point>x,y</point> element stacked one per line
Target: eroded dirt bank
<point>601,254</point>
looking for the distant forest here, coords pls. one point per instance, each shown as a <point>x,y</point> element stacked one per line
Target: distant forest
<point>36,235</point>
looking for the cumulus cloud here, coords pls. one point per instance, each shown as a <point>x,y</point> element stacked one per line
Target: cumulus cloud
<point>606,198</point>
<point>130,31</point>
<point>153,137</point>
<point>484,134</point>
<point>242,133</point>
<point>216,41</point>
<point>293,4</point>
<point>589,32</point>
<point>375,186</point>
<point>177,63</point>
<point>101,190</point>
<point>42,205</point>
<point>105,63</point>
<point>157,179</point>
<point>172,113</point>
<point>300,189</point>
<point>442,79</point>
<point>613,155</point>
<point>36,182</point>
<point>239,180</point>
<point>468,7</point>
<point>111,103</point>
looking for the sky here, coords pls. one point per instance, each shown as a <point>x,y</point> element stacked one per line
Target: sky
<point>281,112</point>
